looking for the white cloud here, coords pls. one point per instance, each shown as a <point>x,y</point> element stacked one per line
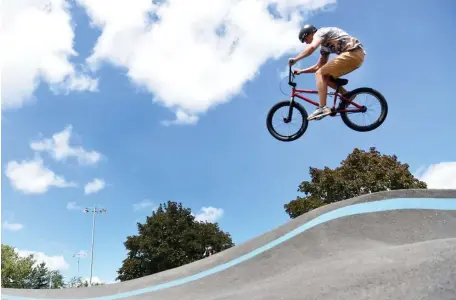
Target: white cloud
<point>73,206</point>
<point>143,204</point>
<point>60,149</point>
<point>32,177</point>
<point>56,262</point>
<point>210,214</point>
<point>78,83</point>
<point>12,226</point>
<point>94,186</point>
<point>194,61</point>
<point>283,75</point>
<point>38,43</point>
<point>439,176</point>
<point>96,279</point>
<point>181,119</point>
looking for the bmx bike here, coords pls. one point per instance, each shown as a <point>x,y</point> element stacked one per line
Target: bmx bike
<point>343,108</point>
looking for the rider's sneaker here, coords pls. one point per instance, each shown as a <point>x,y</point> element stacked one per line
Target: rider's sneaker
<point>320,113</point>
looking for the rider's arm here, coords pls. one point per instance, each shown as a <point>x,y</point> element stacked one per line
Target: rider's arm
<point>323,60</point>
<point>310,49</point>
<point>320,63</point>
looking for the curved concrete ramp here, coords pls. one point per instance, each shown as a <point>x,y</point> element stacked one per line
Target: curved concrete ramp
<point>389,245</point>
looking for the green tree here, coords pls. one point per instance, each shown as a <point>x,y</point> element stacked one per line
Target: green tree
<point>26,273</point>
<point>362,172</point>
<point>170,238</point>
<point>57,279</point>
<point>39,277</point>
<point>77,282</point>
<point>15,269</point>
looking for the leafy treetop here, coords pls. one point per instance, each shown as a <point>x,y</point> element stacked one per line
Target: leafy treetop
<point>170,238</point>
<point>362,172</point>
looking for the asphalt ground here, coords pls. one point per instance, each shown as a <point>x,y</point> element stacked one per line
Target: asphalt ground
<point>389,245</point>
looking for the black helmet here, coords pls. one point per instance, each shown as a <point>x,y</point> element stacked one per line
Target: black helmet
<point>306,30</point>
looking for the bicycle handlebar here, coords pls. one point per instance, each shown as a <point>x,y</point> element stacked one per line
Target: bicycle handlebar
<point>290,74</point>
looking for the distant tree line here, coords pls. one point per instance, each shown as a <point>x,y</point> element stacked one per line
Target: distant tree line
<point>26,273</point>
<point>171,236</point>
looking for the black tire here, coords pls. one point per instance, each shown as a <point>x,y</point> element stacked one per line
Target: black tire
<point>304,121</point>
<point>378,122</point>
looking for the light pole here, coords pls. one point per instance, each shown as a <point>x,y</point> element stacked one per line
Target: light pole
<point>94,211</point>
<point>78,255</point>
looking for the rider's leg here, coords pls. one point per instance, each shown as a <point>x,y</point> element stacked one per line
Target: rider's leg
<point>332,85</point>
<point>342,91</point>
<point>343,64</point>
<point>322,87</point>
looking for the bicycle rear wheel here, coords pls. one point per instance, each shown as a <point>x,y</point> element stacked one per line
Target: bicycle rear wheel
<point>357,96</point>
<point>300,120</point>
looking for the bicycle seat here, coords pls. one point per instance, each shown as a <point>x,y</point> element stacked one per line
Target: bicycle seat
<point>339,81</point>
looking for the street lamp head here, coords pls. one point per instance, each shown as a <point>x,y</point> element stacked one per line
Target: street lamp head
<point>80,254</point>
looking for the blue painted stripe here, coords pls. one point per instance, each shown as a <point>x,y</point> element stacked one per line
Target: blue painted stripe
<point>360,208</point>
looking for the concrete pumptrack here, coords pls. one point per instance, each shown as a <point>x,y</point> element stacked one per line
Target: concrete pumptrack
<point>389,245</point>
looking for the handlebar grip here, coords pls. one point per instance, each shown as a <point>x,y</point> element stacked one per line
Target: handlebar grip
<point>291,74</point>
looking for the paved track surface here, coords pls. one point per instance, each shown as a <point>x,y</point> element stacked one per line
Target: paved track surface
<point>396,245</point>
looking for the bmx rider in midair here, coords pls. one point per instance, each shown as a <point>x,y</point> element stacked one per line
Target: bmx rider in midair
<point>350,56</point>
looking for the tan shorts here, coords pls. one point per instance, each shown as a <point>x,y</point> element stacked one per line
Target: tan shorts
<point>344,63</point>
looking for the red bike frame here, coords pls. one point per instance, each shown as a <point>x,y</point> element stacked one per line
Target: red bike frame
<point>297,93</point>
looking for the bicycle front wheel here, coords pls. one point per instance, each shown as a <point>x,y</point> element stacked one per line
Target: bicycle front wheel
<point>297,115</point>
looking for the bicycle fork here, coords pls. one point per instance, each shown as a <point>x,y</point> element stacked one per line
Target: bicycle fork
<point>290,111</point>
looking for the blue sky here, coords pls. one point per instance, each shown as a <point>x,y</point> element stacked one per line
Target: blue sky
<point>226,159</point>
